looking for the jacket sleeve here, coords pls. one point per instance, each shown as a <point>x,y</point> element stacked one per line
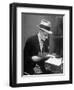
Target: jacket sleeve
<point>28,63</point>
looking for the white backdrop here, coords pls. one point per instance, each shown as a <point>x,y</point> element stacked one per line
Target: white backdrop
<point>4,43</point>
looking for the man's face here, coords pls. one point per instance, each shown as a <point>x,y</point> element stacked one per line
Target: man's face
<point>44,35</point>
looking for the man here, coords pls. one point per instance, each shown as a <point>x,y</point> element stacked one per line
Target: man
<point>36,50</point>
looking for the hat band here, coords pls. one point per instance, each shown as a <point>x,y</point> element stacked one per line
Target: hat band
<point>45,27</point>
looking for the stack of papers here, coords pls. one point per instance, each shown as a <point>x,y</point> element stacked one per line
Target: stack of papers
<point>54,61</point>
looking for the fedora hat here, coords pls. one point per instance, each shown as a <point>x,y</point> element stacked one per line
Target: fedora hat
<point>45,26</point>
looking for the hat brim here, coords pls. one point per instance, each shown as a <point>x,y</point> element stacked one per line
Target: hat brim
<point>49,32</point>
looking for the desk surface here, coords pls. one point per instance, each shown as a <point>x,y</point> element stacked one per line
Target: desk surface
<point>54,68</point>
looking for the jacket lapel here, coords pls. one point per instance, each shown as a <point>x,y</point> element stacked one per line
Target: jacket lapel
<point>37,43</point>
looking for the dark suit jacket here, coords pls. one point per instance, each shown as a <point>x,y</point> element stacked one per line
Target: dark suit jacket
<point>32,48</point>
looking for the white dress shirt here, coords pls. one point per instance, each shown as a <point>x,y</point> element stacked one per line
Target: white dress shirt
<point>40,41</point>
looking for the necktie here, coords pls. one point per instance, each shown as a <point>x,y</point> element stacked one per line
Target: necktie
<point>43,48</point>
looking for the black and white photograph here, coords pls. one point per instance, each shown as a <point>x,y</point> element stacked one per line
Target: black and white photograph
<point>40,44</point>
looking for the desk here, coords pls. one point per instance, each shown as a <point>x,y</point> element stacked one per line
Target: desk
<point>54,68</point>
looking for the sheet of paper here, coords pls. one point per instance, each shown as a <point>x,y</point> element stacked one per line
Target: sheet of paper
<point>54,61</point>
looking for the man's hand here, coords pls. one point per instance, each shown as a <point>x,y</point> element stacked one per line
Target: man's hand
<point>36,58</point>
<point>51,56</point>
